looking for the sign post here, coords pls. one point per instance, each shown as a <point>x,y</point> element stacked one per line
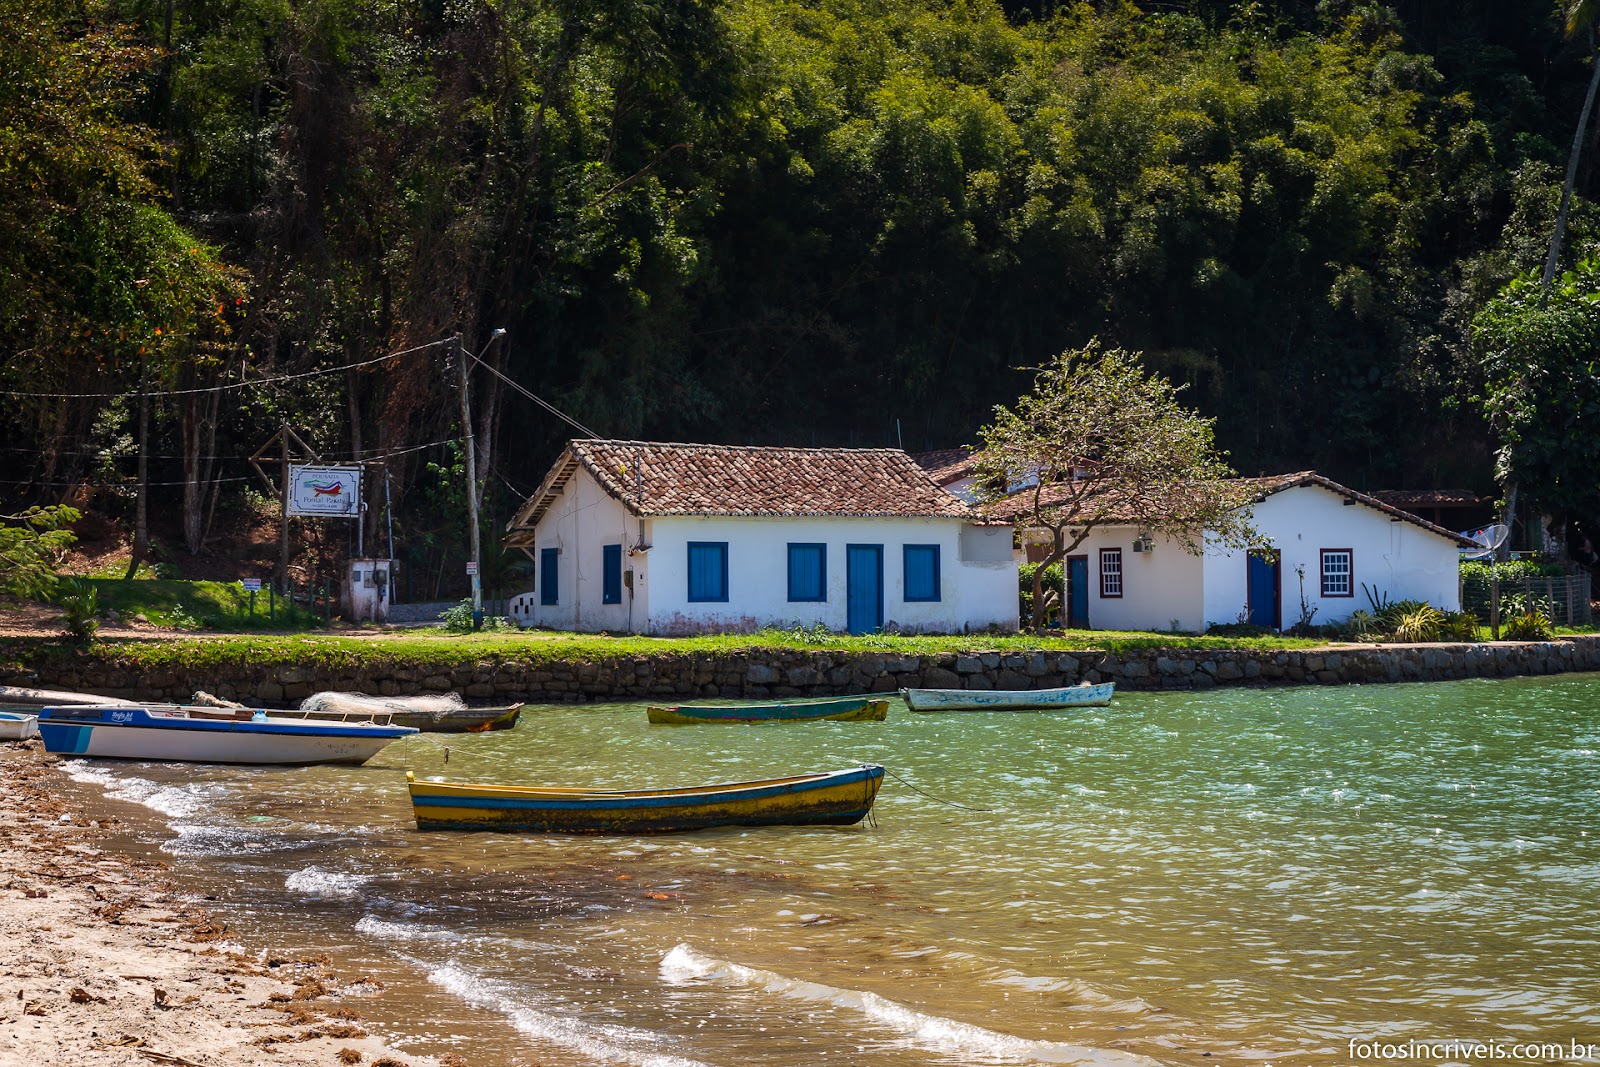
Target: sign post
<point>251,586</point>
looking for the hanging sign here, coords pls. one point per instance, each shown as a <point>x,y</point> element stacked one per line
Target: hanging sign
<point>330,492</point>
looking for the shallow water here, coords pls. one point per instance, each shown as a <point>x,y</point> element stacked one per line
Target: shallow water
<point>1234,876</point>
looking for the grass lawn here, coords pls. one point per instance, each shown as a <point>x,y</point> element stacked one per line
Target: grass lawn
<point>435,647</point>
<point>193,605</point>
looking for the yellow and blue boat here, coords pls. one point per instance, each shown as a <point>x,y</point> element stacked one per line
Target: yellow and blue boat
<point>838,709</point>
<point>829,798</point>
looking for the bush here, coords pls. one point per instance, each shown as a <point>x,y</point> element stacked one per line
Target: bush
<point>458,619</point>
<point>1476,576</point>
<point>81,604</point>
<point>1526,626</point>
<point>1239,629</point>
<point>1460,626</point>
<point>1420,624</point>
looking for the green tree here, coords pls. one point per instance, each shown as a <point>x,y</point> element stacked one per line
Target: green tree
<point>1099,441</point>
<point>1541,367</point>
<point>31,546</point>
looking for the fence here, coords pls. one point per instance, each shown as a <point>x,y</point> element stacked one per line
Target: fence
<point>1565,597</point>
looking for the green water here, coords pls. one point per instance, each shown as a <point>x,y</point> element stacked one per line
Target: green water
<point>1235,876</point>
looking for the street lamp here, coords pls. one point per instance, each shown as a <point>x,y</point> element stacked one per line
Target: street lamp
<point>472,474</point>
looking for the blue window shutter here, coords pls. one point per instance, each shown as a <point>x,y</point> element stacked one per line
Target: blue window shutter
<point>611,574</point>
<point>708,571</point>
<point>808,572</point>
<point>922,572</point>
<point>549,570</point>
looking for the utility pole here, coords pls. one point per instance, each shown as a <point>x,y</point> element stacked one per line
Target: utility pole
<point>283,529</point>
<point>472,486</point>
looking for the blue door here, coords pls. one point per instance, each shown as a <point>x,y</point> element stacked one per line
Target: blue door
<point>1262,589</point>
<point>1077,591</point>
<point>863,569</point>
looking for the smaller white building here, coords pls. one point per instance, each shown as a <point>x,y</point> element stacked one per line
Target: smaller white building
<point>1326,550</point>
<point>661,538</point>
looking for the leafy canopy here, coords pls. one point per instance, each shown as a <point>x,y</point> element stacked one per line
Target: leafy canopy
<point>1541,367</point>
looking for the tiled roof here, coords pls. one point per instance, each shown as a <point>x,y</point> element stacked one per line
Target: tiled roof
<point>947,464</point>
<point>1016,506</point>
<point>654,478</point>
<point>1429,498</point>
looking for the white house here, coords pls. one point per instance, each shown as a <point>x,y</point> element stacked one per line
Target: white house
<point>646,537</point>
<point>1328,550</point>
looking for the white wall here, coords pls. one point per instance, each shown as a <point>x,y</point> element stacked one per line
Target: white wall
<point>582,521</point>
<point>1392,556</point>
<point>973,595</point>
<point>1159,587</point>
<point>978,577</point>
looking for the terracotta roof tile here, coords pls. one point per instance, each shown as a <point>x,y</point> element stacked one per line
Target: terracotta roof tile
<point>1015,507</point>
<point>1430,498</point>
<point>655,478</point>
<point>947,464</point>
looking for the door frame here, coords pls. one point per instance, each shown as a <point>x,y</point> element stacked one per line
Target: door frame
<point>849,584</point>
<point>1067,616</point>
<point>1277,584</point>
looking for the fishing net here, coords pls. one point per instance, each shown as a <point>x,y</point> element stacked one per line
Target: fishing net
<point>346,704</point>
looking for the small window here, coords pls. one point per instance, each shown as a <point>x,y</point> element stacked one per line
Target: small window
<point>1338,572</point>
<point>1110,573</point>
<point>922,572</point>
<point>549,567</point>
<point>611,574</point>
<point>808,573</point>
<point>708,572</point>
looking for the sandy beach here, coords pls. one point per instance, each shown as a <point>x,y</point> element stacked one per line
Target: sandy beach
<point>108,965</point>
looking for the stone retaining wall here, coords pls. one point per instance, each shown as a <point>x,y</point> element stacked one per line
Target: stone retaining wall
<point>789,673</point>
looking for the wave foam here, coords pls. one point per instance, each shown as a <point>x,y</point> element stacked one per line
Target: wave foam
<point>609,1044</point>
<point>373,926</point>
<point>316,882</point>
<point>173,801</point>
<point>684,964</point>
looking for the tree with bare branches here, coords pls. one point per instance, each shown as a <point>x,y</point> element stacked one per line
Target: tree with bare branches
<point>1100,442</point>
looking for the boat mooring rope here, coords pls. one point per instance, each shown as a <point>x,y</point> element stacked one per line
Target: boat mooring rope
<point>929,795</point>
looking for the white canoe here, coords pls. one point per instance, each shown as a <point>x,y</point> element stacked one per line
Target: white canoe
<point>1073,696</point>
<point>16,727</point>
<point>193,736</point>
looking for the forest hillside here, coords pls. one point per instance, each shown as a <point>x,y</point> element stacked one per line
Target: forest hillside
<point>803,222</point>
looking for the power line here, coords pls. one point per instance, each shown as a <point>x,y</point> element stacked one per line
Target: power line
<point>551,408</point>
<point>350,457</point>
<point>224,385</point>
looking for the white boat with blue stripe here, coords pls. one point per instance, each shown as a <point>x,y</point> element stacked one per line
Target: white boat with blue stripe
<point>197,735</point>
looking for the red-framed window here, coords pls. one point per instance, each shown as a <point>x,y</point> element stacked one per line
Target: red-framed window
<point>1110,573</point>
<point>1338,572</point>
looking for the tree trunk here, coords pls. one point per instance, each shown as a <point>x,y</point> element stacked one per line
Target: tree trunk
<point>1509,520</point>
<point>1058,552</point>
<point>199,463</point>
<point>1572,176</point>
<point>141,527</point>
